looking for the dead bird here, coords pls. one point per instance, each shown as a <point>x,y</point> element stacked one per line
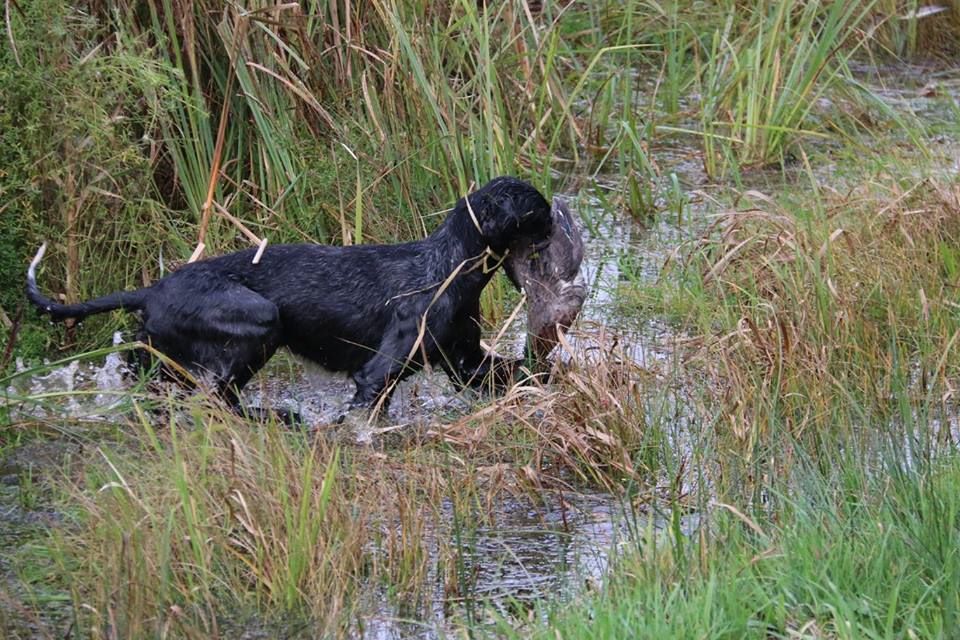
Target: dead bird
<point>550,277</point>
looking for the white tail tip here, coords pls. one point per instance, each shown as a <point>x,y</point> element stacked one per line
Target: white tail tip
<point>32,271</point>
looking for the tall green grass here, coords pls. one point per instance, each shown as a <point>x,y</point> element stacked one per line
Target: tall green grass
<point>760,79</point>
<point>329,122</point>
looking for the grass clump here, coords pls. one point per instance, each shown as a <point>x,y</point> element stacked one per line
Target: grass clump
<point>601,422</point>
<point>204,521</point>
<point>760,78</point>
<point>200,523</point>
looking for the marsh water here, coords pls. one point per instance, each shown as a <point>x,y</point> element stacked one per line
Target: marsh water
<point>561,544</point>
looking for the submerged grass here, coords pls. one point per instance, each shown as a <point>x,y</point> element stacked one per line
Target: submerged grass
<point>823,319</point>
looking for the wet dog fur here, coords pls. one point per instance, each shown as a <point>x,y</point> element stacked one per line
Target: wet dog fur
<point>375,312</point>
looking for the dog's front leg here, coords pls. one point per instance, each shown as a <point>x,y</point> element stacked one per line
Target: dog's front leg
<point>395,359</point>
<point>466,362</point>
<point>375,381</point>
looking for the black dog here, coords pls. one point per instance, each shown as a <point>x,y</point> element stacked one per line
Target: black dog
<point>377,312</point>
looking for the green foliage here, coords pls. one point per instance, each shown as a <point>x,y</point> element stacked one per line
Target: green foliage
<point>760,79</point>
<point>118,122</point>
<point>74,161</point>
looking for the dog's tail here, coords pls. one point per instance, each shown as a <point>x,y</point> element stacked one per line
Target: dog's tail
<point>127,300</point>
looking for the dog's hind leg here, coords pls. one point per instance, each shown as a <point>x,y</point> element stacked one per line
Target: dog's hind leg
<point>242,359</point>
<point>224,336</point>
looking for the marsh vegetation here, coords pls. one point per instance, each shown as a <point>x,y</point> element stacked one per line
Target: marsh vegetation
<point>754,431</point>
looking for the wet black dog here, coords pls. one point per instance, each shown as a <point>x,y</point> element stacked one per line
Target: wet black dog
<point>377,312</point>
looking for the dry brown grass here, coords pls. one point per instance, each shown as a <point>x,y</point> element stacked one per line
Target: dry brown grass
<point>824,307</point>
<point>587,427</point>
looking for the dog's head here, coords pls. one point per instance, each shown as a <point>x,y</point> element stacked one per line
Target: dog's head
<point>509,213</point>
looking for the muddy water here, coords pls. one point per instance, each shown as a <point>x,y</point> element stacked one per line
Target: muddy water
<point>527,554</point>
